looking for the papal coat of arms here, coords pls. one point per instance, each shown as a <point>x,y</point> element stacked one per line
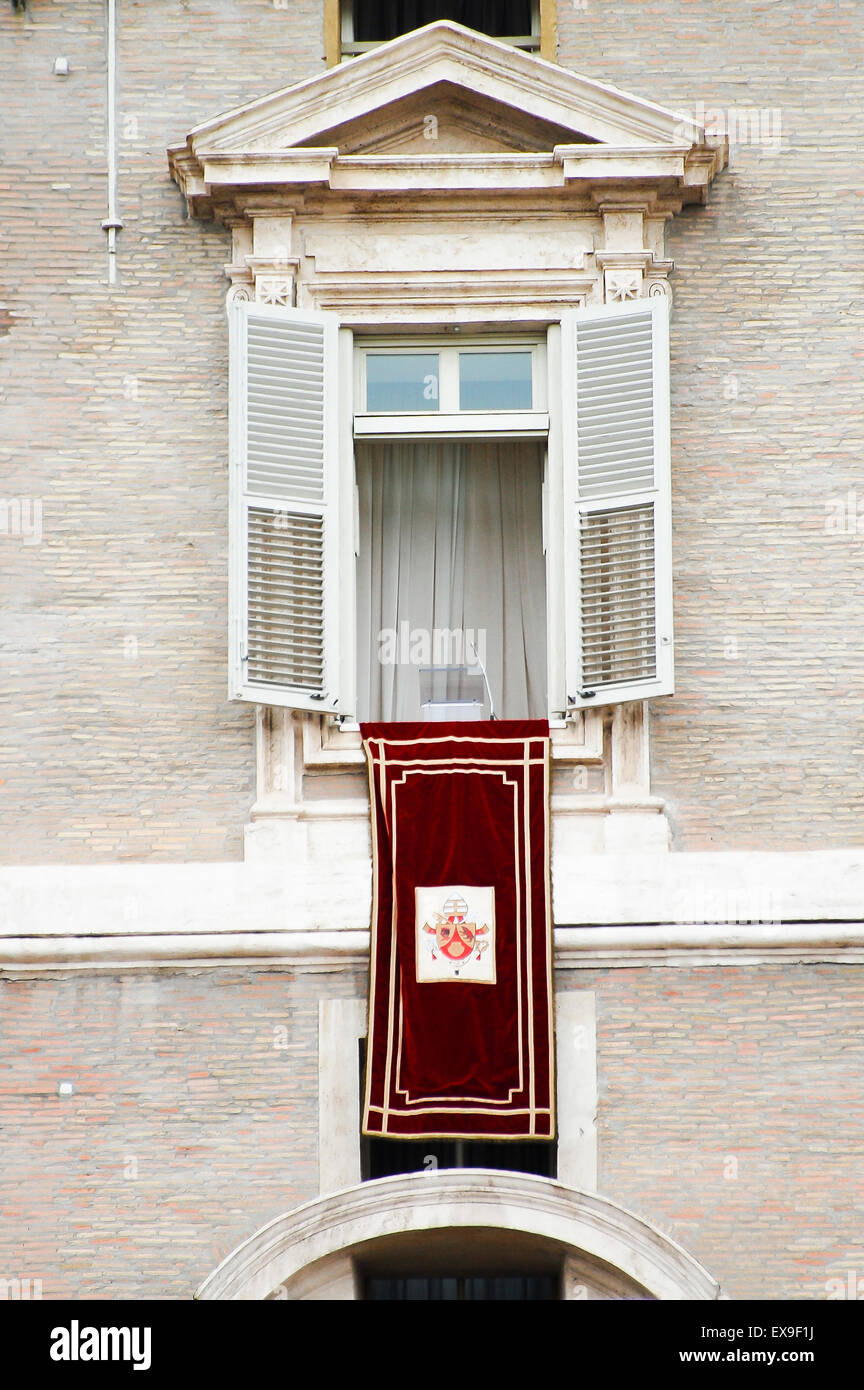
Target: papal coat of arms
<point>455,933</point>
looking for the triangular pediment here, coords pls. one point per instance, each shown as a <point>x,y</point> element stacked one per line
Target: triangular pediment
<point>439,108</point>
<point>445,119</point>
<point>533,104</point>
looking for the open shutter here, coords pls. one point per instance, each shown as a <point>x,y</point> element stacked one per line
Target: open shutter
<point>284,507</point>
<point>617,551</point>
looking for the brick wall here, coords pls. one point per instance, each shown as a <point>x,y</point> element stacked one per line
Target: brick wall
<point>730,1116</point>
<point>119,742</point>
<point>762,745</point>
<point>194,1121</point>
<point>730,1113</point>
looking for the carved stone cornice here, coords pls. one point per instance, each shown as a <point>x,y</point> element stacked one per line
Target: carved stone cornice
<point>612,140</point>
<point>595,173</point>
<point>445,52</point>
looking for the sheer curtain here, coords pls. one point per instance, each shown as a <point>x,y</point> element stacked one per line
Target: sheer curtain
<point>451,541</point>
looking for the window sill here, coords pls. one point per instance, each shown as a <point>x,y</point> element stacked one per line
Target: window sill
<point>327,743</point>
<point>516,424</point>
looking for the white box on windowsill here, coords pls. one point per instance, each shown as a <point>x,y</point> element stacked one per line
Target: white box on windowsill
<point>462,709</point>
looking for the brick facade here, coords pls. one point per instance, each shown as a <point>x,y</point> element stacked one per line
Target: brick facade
<point>730,1097</point>
<point>194,1120</point>
<point>761,746</point>
<point>730,1113</point>
<point>121,743</point>
<point>730,1116</point>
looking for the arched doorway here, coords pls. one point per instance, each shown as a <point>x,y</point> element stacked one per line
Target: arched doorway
<point>459,1224</point>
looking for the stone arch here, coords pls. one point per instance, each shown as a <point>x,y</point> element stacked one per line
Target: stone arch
<point>603,1250</point>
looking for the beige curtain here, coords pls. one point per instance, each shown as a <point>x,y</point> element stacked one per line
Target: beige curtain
<point>450,542</point>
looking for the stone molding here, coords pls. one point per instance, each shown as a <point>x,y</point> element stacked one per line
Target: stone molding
<point>678,945</point>
<point>579,1223</point>
<point>442,52</point>
<point>680,901</point>
<point>619,141</point>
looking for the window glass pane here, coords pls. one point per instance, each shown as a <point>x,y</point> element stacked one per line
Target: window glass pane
<point>495,381</point>
<point>401,381</point>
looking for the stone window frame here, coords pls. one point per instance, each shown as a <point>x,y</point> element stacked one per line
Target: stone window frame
<point>341,1025</point>
<point>255,170</point>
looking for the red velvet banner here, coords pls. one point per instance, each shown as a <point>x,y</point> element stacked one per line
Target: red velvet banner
<point>460,1041</point>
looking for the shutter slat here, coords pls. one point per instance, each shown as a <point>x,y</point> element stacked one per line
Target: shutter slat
<point>285,389</point>
<point>617,574</point>
<point>286,598</point>
<point>614,404</point>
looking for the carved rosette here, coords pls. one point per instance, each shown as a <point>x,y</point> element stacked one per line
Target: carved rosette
<point>622,285</point>
<point>274,289</point>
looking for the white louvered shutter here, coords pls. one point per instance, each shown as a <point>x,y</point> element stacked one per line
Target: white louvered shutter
<point>618,563</point>
<point>284,507</point>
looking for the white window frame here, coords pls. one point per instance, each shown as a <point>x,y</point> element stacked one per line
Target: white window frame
<point>350,48</point>
<point>465,424</point>
<point>449,421</point>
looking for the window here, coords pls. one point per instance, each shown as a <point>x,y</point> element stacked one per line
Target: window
<point>384,1158</point>
<point>527,475</point>
<point>483,386</point>
<point>366,23</point>
<point>444,467</point>
<point>472,1288</point>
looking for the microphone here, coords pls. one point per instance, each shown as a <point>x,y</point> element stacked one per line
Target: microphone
<point>470,644</point>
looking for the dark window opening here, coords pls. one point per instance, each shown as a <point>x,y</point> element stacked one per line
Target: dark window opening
<point>375,21</point>
<point>475,1288</point>
<point>384,1158</point>
<point>366,23</point>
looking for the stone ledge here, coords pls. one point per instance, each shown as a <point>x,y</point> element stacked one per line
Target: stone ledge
<point>583,948</point>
